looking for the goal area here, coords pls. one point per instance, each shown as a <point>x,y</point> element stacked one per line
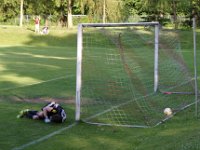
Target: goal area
<point>128,73</point>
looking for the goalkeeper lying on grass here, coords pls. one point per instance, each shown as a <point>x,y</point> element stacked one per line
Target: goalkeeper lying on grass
<point>52,112</point>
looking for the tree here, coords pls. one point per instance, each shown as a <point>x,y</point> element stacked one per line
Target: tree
<point>104,11</point>
<point>153,9</point>
<point>98,10</point>
<point>195,9</point>
<point>69,14</point>
<point>21,13</point>
<point>156,9</point>
<point>9,9</point>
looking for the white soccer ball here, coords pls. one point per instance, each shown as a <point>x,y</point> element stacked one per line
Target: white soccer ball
<point>167,111</point>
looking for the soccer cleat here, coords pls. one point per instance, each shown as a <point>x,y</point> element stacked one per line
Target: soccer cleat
<point>22,113</point>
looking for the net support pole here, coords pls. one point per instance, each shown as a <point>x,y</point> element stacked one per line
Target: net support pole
<point>195,67</point>
<point>78,72</point>
<point>156,46</point>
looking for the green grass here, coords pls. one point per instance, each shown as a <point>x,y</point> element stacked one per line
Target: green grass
<point>28,63</point>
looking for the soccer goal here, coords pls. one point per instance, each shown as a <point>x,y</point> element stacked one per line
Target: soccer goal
<point>128,73</point>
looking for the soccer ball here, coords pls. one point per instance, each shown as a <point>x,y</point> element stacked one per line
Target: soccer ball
<point>167,111</point>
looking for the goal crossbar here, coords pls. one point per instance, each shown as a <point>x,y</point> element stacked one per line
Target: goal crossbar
<point>118,24</point>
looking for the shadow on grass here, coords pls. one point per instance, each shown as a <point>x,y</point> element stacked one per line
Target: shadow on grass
<point>59,38</point>
<point>43,67</point>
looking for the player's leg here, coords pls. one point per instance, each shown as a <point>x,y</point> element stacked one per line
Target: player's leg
<point>22,113</point>
<point>32,114</point>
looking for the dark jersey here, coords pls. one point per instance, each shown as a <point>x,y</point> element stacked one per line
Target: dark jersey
<point>57,114</point>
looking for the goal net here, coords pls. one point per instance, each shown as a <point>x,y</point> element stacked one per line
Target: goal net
<point>127,74</point>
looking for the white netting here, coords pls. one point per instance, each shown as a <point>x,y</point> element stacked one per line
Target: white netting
<point>118,76</point>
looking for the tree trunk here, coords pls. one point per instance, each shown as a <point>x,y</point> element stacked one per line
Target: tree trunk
<point>69,14</point>
<point>104,11</point>
<point>174,14</point>
<point>21,14</point>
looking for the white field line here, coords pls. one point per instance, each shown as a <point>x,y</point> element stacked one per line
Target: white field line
<point>44,137</point>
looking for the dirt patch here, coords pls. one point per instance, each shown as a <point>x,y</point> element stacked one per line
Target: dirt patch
<point>44,99</point>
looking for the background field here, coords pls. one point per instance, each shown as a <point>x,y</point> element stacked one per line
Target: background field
<point>35,69</point>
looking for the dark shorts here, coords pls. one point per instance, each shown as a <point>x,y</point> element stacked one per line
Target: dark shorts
<point>57,118</point>
<point>32,113</point>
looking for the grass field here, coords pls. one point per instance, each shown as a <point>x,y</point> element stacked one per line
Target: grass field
<point>35,69</point>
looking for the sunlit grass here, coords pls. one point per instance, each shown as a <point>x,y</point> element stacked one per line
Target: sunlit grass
<point>18,79</point>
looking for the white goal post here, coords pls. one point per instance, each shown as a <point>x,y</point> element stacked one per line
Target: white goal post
<point>80,49</point>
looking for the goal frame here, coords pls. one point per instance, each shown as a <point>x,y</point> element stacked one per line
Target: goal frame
<point>80,50</point>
